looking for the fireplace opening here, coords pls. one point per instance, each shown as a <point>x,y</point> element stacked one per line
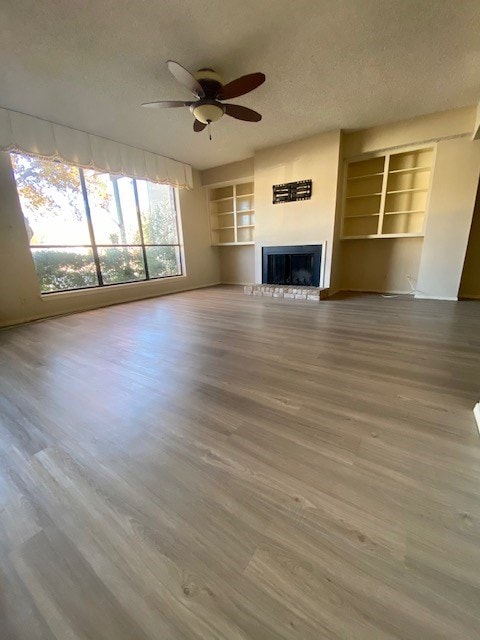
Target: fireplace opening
<point>296,265</point>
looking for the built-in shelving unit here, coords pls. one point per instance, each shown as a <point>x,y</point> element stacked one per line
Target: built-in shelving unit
<point>386,196</point>
<point>232,214</point>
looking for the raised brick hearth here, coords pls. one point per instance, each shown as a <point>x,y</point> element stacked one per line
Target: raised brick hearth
<point>312,294</point>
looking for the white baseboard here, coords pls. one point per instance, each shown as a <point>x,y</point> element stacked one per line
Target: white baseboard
<point>393,292</point>
<point>476,413</point>
<point>396,292</point>
<point>424,296</point>
<point>240,284</point>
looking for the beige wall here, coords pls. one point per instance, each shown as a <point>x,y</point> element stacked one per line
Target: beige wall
<point>20,298</point>
<point>336,266</point>
<point>476,129</point>
<point>470,283</point>
<point>382,265</point>
<point>454,187</point>
<point>228,172</point>
<point>424,129</point>
<point>295,223</point>
<point>237,264</point>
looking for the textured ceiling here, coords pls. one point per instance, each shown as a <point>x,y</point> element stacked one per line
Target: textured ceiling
<point>329,64</point>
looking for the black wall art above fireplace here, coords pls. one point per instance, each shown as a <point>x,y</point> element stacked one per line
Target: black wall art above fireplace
<point>296,265</point>
<point>292,191</point>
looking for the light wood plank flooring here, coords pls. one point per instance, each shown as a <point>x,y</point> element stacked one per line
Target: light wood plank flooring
<point>214,466</point>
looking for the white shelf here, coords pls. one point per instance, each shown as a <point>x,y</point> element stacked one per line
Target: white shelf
<point>224,213</point>
<point>402,235</point>
<point>365,195</point>
<point>426,168</point>
<point>240,211</point>
<point>244,195</point>
<point>367,175</point>
<point>222,228</point>
<point>246,226</point>
<point>396,213</point>
<point>222,199</point>
<point>231,244</point>
<point>407,190</point>
<point>384,235</point>
<point>362,215</point>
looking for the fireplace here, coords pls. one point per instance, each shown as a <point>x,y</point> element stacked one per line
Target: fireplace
<point>297,265</point>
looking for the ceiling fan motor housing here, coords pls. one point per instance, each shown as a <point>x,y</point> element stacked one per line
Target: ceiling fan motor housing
<point>210,81</point>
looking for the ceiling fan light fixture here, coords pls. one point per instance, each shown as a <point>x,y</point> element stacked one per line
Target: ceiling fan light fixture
<point>207,113</point>
<point>208,88</point>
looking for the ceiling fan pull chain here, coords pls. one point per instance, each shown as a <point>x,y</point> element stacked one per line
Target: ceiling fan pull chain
<point>209,130</point>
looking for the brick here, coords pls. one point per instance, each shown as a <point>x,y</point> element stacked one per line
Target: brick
<point>300,296</point>
<point>268,294</point>
<point>289,295</point>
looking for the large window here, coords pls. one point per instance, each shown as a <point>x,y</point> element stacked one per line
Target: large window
<point>90,229</point>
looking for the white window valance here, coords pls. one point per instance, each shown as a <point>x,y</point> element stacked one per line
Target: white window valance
<point>27,134</point>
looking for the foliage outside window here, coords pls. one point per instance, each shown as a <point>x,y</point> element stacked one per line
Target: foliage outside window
<point>90,229</point>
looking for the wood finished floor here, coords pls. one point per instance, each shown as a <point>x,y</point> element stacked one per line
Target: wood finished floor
<point>211,465</point>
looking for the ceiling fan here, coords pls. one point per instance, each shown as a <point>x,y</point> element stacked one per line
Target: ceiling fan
<point>207,86</point>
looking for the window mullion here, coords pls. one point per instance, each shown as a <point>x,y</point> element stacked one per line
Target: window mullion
<point>140,228</point>
<point>90,226</point>
<point>173,200</point>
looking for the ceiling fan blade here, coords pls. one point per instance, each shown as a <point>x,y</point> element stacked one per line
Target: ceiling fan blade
<point>242,113</point>
<point>166,104</point>
<point>240,86</point>
<point>198,126</point>
<point>185,77</point>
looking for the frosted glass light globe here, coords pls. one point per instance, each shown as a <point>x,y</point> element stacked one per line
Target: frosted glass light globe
<point>208,113</point>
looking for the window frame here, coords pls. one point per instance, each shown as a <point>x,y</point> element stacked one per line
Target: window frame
<point>94,246</point>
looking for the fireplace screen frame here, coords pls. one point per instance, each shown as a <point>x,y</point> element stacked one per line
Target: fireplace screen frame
<point>306,249</point>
